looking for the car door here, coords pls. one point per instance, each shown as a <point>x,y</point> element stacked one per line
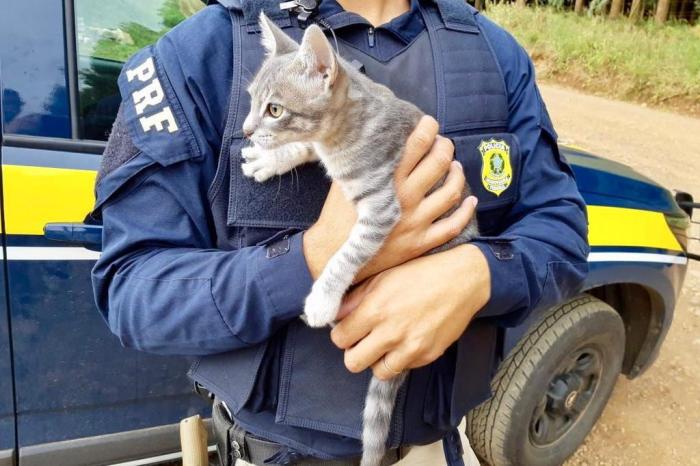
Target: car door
<point>7,383</point>
<point>81,398</point>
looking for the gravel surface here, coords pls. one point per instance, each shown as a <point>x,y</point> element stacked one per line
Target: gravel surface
<point>655,418</point>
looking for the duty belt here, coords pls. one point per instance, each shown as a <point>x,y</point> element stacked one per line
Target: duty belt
<point>234,443</point>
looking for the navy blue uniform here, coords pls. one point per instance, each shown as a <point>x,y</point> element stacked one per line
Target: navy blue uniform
<point>194,264</point>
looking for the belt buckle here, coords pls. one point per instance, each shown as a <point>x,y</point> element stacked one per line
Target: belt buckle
<point>200,390</point>
<point>302,8</point>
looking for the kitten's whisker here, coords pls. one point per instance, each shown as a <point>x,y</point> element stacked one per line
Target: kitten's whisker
<point>279,185</point>
<point>295,176</point>
<point>247,76</point>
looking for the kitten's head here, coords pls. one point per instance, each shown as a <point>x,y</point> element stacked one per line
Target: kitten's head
<point>297,90</point>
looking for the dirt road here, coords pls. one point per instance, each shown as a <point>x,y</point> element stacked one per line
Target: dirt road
<point>654,419</point>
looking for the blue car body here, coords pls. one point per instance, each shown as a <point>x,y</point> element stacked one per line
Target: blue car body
<point>69,393</point>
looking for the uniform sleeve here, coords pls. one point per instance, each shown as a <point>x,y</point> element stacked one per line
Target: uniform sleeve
<point>160,282</point>
<point>163,288</point>
<point>540,257</point>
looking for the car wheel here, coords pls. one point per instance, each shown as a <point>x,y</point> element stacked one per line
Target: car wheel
<point>552,387</point>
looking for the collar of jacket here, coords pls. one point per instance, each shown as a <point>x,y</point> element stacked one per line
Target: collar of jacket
<point>456,14</point>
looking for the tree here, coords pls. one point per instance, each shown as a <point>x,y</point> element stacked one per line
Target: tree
<point>578,6</point>
<point>637,10</point>
<point>521,3</point>
<point>662,11</point>
<point>616,8</point>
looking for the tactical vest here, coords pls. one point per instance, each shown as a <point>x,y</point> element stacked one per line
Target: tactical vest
<point>451,73</point>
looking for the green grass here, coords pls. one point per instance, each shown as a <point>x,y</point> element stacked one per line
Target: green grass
<point>129,25</point>
<point>658,65</point>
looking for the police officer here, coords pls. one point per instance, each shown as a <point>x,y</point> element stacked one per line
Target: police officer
<point>199,260</point>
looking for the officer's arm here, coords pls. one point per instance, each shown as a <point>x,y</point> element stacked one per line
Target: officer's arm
<point>539,259</point>
<point>162,286</point>
<point>160,282</point>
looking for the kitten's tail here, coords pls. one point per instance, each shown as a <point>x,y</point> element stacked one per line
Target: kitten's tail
<point>376,419</point>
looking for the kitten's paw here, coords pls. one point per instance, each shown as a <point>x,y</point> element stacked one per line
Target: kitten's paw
<point>320,309</point>
<point>251,153</point>
<point>260,168</point>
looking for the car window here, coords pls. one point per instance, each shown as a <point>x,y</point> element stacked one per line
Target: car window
<point>107,33</point>
<point>33,69</point>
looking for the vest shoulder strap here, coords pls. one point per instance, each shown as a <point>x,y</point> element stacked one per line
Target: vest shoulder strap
<point>458,15</point>
<point>251,9</point>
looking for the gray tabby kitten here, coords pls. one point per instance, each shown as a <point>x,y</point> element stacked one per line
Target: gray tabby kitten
<point>308,104</point>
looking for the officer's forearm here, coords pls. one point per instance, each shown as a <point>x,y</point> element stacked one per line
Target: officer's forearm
<point>541,261</point>
<point>201,301</point>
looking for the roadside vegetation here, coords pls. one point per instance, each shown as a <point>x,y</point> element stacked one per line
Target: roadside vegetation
<point>642,61</point>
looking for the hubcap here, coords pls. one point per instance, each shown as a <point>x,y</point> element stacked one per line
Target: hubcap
<point>571,399</point>
<point>569,393</point>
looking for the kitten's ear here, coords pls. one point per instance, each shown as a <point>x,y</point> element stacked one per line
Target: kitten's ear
<point>318,55</point>
<point>275,41</point>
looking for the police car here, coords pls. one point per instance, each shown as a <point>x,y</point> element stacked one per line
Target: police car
<point>70,394</point>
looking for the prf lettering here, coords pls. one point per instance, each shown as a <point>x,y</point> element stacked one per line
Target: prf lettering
<point>150,95</point>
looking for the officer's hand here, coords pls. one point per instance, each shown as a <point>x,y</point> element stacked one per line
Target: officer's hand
<point>427,158</point>
<point>412,313</point>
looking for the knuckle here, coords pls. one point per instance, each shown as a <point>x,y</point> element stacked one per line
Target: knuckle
<point>443,155</point>
<point>442,160</point>
<point>422,138</point>
<point>461,178</point>
<point>380,374</point>
<point>430,356</point>
<point>424,360</point>
<point>353,367</point>
<point>446,145</point>
<point>338,338</point>
<point>352,364</point>
<point>393,339</point>
<point>382,315</point>
<point>413,348</point>
<point>424,346</point>
<point>405,197</point>
<point>410,225</point>
<point>417,247</point>
<point>453,230</point>
<point>429,126</point>
<point>455,195</point>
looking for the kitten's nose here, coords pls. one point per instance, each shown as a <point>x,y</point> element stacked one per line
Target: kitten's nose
<point>248,127</point>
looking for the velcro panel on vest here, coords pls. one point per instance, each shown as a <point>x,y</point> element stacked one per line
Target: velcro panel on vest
<point>120,148</point>
<point>475,95</point>
<point>457,15</point>
<point>251,10</point>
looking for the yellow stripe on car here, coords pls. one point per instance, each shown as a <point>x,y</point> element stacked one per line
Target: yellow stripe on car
<point>35,196</point>
<point>617,226</point>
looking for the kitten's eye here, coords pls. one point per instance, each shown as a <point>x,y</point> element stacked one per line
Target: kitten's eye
<point>275,110</point>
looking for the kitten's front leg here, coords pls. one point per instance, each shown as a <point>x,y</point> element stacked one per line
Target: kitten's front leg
<point>377,216</point>
<point>262,164</point>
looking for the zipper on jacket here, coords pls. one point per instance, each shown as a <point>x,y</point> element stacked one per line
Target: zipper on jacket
<point>370,36</point>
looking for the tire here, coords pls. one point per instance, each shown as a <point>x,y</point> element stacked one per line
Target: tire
<point>550,390</point>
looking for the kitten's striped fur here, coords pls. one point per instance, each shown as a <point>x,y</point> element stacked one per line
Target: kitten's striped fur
<point>358,130</point>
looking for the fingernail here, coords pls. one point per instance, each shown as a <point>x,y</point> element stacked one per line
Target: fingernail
<point>473,200</point>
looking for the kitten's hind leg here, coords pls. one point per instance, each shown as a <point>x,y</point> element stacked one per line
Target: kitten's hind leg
<point>262,164</point>
<point>377,214</point>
